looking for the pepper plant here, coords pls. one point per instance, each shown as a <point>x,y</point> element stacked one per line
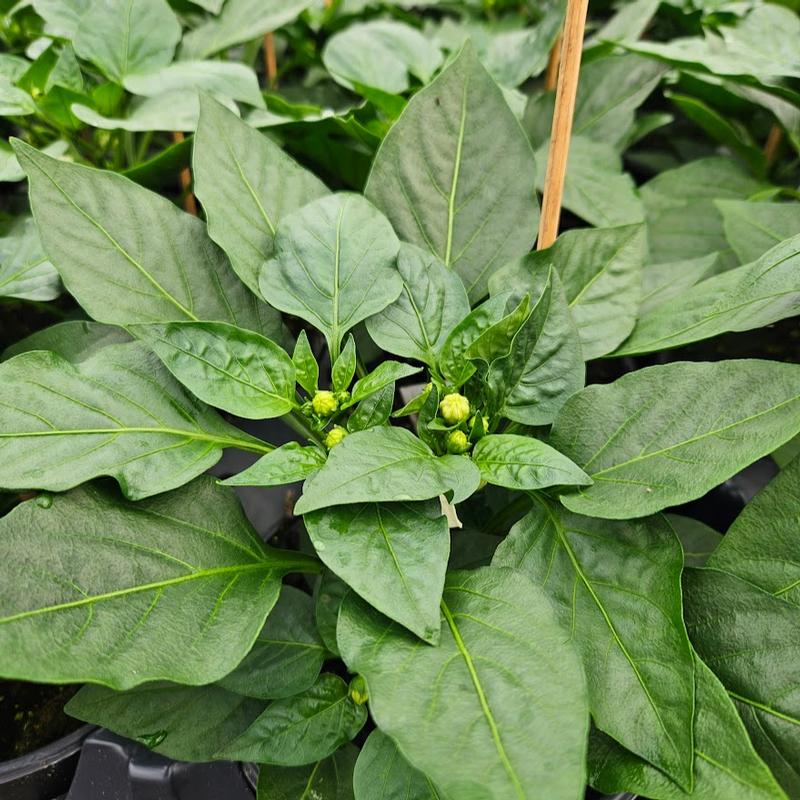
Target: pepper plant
<point>486,598</point>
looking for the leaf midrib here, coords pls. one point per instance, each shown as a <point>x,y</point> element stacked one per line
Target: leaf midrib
<point>451,201</point>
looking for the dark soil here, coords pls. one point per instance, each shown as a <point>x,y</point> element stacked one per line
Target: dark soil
<point>31,716</point>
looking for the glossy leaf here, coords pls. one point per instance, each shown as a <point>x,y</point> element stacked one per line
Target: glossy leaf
<point>334,265</point>
<point>94,585</point>
<point>609,581</point>
<point>502,695</point>
<point>306,367</point>
<point>344,368</point>
<point>386,465</point>
<point>393,554</point>
<point>230,368</point>
<point>25,272</point>
<point>246,184</point>
<point>664,435</point>
<point>456,174</point>
<point>382,773</point>
<point>386,373</point>
<point>286,464</point>
<point>373,410</point>
<point>328,779</point>
<point>752,228</point>
<point>432,303</point>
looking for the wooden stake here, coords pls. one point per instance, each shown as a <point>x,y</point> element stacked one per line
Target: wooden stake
<point>189,203</point>
<point>270,61</point>
<point>569,69</point>
<point>551,76</point>
<point>772,143</point>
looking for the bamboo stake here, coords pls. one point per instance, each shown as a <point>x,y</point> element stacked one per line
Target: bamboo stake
<point>772,143</point>
<point>189,203</point>
<point>569,69</point>
<point>551,76</point>
<point>270,61</point>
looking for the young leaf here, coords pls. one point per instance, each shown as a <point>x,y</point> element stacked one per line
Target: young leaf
<point>330,778</point>
<point>301,729</point>
<point>287,655</point>
<point>393,554</point>
<point>305,365</point>
<point>334,265</point>
<point>373,410</point>
<point>524,463</point>
<point>246,184</point>
<point>344,368</point>
<point>495,342</point>
<point>752,228</point>
<point>148,263</point>
<point>386,373</point>
<point>725,763</point>
<point>110,582</point>
<point>432,303</point>
<point>385,465</point>
<point>227,367</point>
<point>751,639</point>
<point>502,696</point>
<point>25,272</point>
<point>382,773</point>
<point>664,435</point>
<point>286,464</point>
<point>457,176</point>
<point>647,678</point>
<point>117,413</point>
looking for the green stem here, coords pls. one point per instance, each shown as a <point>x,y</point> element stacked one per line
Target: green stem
<point>144,144</point>
<point>298,424</point>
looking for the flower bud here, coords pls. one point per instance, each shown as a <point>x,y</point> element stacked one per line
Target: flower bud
<point>358,691</point>
<point>335,435</point>
<point>342,397</point>
<point>454,409</point>
<point>324,404</point>
<point>457,442</point>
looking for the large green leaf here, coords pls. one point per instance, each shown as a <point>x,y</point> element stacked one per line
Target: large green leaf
<point>393,554</point>
<point>301,729</point>
<point>668,434</point>
<point>386,464</point>
<point>128,255</point>
<point>98,589</point>
<point>752,228</point>
<point>334,265</point>
<point>62,17</point>
<point>287,655</point>
<point>762,545</point>
<point>246,184</point>
<point>725,763</point>
<point>751,639</point>
<point>524,463</point>
<point>661,282</point>
<point>25,272</point>
<point>382,773</point>
<point>491,710</point>
<point>432,303</point>
<point>117,413</point>
<point>741,299</point>
<point>230,368</point>
<point>123,37</point>
<point>609,581</point>
<point>74,340</point>
<point>330,778</point>
<point>456,174</point>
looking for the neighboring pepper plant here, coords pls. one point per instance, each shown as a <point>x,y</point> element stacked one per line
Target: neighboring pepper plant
<point>480,682</point>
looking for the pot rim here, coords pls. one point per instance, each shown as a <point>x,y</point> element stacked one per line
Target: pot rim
<point>45,756</point>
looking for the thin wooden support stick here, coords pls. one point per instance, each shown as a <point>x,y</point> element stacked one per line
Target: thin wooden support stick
<point>270,61</point>
<point>772,143</point>
<point>551,76</point>
<point>189,203</point>
<point>569,69</point>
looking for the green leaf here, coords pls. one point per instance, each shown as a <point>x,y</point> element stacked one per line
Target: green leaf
<point>456,174</point>
<point>386,373</point>
<point>380,54</point>
<point>725,764</point>
<point>393,554</point>
<point>334,265</point>
<point>227,367</point>
<point>189,723</point>
<point>697,539</point>
<point>545,365</point>
<point>74,341</point>
<point>25,272</point>
<point>662,282</point>
<point>328,595</point>
<point>761,546</point>
<point>751,639</point>
<point>246,184</point>
<point>502,696</point>
<point>386,465</point>
<point>238,22</point>
<point>432,303</point>
<point>93,587</point>
<point>14,102</point>
<point>116,413</point>
<point>741,299</point>
<point>287,655</point>
<point>664,435</point>
<point>128,255</point>
<point>496,341</point>
<point>62,17</point>
<point>286,464</point>
<point>328,779</point>
<point>649,678</point>
<point>127,37</point>
<point>373,410</point>
<point>344,368</point>
<point>524,463</point>
<point>752,228</point>
<point>305,365</point>
<point>302,729</point>
<point>382,773</point>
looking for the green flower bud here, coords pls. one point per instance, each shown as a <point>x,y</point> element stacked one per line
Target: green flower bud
<point>358,691</point>
<point>324,404</point>
<point>457,442</point>
<point>335,435</point>
<point>454,409</point>
<point>342,397</point>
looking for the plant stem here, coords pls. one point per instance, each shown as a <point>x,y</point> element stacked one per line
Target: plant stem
<point>296,422</point>
<point>270,61</point>
<point>189,203</point>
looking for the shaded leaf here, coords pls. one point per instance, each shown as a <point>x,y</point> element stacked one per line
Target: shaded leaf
<point>382,773</point>
<point>328,779</point>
